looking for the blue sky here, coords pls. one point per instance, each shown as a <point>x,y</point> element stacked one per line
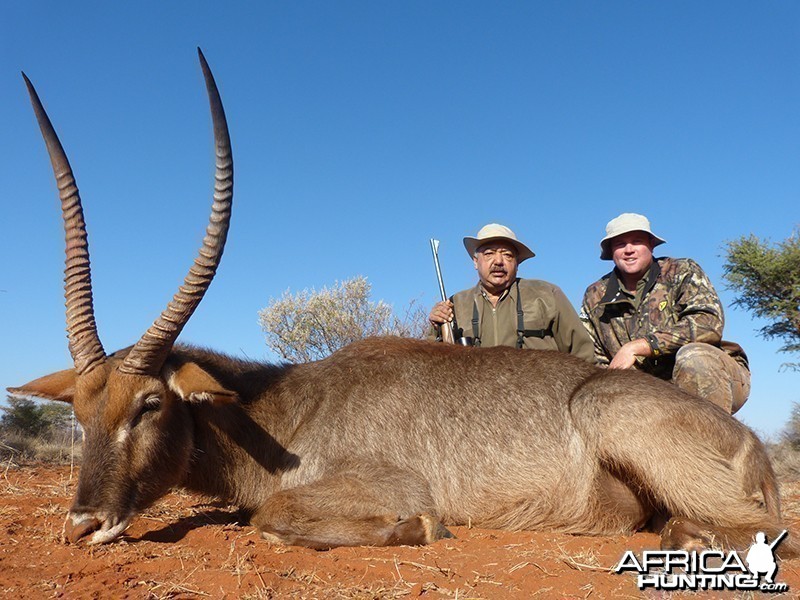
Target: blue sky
<point>362,129</point>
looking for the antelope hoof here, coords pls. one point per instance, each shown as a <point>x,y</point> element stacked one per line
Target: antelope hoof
<point>682,534</point>
<point>75,530</point>
<point>272,538</point>
<point>417,531</point>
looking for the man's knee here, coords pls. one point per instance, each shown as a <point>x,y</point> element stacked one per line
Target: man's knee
<point>700,369</point>
<point>698,353</point>
<point>696,361</point>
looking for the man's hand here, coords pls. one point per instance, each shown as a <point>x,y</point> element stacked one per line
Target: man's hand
<point>625,358</point>
<point>442,312</point>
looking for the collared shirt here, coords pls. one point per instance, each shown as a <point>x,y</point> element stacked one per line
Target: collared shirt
<point>549,319</point>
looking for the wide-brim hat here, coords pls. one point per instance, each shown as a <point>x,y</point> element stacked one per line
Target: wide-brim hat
<point>626,223</point>
<point>492,232</point>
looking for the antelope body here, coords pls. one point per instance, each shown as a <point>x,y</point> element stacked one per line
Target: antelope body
<point>387,440</point>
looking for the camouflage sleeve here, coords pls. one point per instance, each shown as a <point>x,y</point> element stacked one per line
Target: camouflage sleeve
<point>694,313</point>
<point>599,354</point>
<point>570,334</point>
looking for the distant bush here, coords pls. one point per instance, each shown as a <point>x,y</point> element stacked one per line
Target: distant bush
<point>785,453</point>
<point>38,431</point>
<point>766,279</point>
<point>311,324</point>
<point>791,431</point>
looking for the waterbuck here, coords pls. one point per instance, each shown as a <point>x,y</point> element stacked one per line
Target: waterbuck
<point>388,440</point>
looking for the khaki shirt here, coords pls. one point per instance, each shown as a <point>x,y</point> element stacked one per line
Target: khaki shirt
<point>549,319</point>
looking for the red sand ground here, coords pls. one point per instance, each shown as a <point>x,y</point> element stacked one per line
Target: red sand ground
<point>187,547</point>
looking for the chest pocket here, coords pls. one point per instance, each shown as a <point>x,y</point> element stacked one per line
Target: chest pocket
<point>658,311</point>
<point>532,320</point>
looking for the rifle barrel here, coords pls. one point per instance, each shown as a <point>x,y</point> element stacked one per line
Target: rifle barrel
<point>435,250</point>
<point>447,328</point>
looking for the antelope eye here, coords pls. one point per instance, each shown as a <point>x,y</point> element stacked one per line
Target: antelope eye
<point>150,404</point>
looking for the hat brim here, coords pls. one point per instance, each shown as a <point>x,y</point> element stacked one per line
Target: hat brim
<point>523,252</point>
<point>605,243</point>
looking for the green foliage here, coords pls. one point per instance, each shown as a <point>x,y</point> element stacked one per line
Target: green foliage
<point>311,324</point>
<point>25,417</point>
<point>766,278</point>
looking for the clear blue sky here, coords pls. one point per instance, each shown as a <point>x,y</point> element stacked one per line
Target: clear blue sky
<point>362,129</point>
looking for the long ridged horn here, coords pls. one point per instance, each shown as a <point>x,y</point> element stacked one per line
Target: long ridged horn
<point>84,343</point>
<point>149,353</point>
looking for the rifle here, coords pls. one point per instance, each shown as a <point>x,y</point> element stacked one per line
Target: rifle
<point>446,329</point>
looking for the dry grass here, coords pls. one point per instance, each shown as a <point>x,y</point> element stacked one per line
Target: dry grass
<point>585,560</point>
<point>333,591</point>
<point>308,584</point>
<point>25,449</point>
<point>785,460</point>
<point>167,590</point>
<point>49,510</point>
<point>790,500</point>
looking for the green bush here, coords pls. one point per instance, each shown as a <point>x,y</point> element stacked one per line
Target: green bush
<point>35,419</point>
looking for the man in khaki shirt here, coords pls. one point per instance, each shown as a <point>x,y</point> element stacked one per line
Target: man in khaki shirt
<point>504,310</point>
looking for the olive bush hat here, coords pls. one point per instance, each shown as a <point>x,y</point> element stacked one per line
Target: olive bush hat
<point>494,231</point>
<point>625,223</point>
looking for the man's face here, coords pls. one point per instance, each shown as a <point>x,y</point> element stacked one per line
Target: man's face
<point>632,252</point>
<point>496,263</point>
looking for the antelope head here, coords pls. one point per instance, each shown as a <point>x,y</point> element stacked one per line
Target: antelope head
<point>132,404</point>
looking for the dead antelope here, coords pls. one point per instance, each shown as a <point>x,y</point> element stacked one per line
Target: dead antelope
<point>388,440</point>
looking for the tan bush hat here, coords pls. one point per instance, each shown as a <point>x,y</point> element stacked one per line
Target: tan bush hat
<point>494,231</point>
<point>625,223</point>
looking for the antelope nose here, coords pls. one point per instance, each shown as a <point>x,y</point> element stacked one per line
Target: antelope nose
<point>77,527</point>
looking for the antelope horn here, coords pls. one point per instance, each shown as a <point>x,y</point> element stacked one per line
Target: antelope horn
<point>149,353</point>
<point>84,343</point>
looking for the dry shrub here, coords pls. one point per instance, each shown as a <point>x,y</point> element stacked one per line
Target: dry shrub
<point>785,460</point>
<point>56,452</point>
<point>785,453</point>
<point>311,324</point>
<point>18,448</point>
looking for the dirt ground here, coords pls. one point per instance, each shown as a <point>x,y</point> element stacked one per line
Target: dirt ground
<point>189,547</point>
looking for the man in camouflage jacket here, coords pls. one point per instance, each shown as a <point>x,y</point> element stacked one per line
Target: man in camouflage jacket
<point>504,310</point>
<point>662,316</point>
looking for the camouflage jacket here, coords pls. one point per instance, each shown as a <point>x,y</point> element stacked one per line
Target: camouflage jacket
<point>550,322</point>
<point>676,305</point>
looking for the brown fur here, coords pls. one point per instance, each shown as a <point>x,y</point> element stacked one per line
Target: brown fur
<point>380,440</point>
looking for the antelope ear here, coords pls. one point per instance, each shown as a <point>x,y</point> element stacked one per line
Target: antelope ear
<point>193,384</point>
<point>56,386</point>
